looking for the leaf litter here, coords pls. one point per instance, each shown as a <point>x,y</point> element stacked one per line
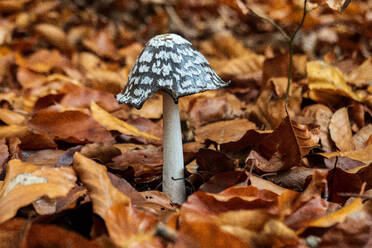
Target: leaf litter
<point>75,163</point>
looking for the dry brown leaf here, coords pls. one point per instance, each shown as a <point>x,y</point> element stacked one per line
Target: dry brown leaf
<point>321,115</point>
<point>132,228</point>
<point>338,5</point>
<point>102,44</point>
<point>112,123</point>
<point>24,183</point>
<point>4,154</point>
<point>364,155</point>
<point>339,216</point>
<point>79,96</point>
<point>127,226</point>
<point>213,108</point>
<point>69,125</point>
<point>261,184</point>
<point>362,75</point>
<point>18,232</point>
<point>152,108</point>
<point>29,79</point>
<point>361,137</point>
<point>327,82</point>
<point>42,61</point>
<point>224,131</point>
<point>53,34</point>
<point>10,117</point>
<point>231,60</point>
<point>284,148</point>
<point>12,131</point>
<point>94,176</point>
<point>340,130</point>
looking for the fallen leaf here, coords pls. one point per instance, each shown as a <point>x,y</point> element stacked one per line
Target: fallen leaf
<point>12,131</point>
<point>81,97</point>
<point>326,83</point>
<point>224,131</point>
<point>69,125</point>
<point>276,153</point>
<point>24,183</point>
<point>53,34</point>
<point>339,216</point>
<point>17,232</point>
<point>112,123</point>
<point>361,137</point>
<point>94,176</point>
<point>42,61</point>
<point>10,117</point>
<point>102,44</point>
<point>364,155</point>
<point>340,130</point>
<point>129,227</point>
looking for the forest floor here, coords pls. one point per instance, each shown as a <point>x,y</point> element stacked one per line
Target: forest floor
<point>79,170</point>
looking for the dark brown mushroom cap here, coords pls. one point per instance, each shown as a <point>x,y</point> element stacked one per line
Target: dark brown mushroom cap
<point>170,64</point>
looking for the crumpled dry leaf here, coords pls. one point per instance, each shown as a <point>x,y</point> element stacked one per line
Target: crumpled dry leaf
<point>126,225</point>
<point>10,117</point>
<point>208,109</point>
<point>82,96</point>
<point>18,231</point>
<point>146,161</point>
<point>42,61</point>
<point>24,183</point>
<point>102,44</point>
<point>4,153</point>
<point>231,60</point>
<point>12,131</point>
<point>321,115</point>
<point>112,123</point>
<point>364,155</point>
<point>362,136</point>
<point>361,76</point>
<point>284,148</point>
<point>132,228</point>
<point>103,194</point>
<point>224,131</point>
<point>353,232</point>
<point>327,83</point>
<point>340,130</point>
<point>30,79</point>
<point>339,216</point>
<point>53,34</point>
<point>69,125</point>
<point>338,5</point>
<point>348,181</point>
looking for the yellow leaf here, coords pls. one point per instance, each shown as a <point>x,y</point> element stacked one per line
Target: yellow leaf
<point>363,155</point>
<point>112,123</point>
<point>324,78</point>
<point>12,131</point>
<point>339,216</point>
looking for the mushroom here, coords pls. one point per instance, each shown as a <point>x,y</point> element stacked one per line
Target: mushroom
<point>168,63</point>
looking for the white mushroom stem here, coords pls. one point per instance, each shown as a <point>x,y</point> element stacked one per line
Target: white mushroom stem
<point>173,177</point>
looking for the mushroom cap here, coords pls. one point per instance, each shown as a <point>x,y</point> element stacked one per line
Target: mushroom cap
<point>170,64</point>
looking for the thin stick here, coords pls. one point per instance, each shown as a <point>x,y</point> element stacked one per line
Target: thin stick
<point>289,40</point>
<point>290,46</point>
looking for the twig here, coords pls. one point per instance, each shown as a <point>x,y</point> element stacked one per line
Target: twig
<point>289,40</point>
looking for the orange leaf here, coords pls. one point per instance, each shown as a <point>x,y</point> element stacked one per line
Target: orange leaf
<point>110,122</point>
<point>339,216</point>
<point>94,176</point>
<point>24,183</point>
<point>129,227</point>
